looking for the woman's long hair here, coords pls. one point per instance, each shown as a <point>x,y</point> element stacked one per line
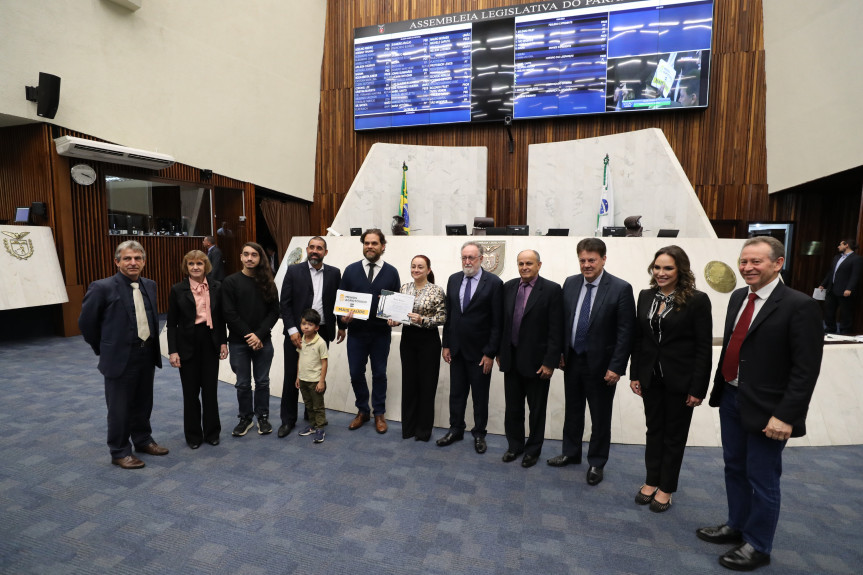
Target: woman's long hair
<point>263,274</point>
<point>685,278</point>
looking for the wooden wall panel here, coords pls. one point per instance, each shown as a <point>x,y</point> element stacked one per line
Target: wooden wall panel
<point>94,246</point>
<point>722,149</point>
<point>25,173</point>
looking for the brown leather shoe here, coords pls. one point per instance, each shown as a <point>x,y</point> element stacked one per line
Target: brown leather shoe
<point>128,462</point>
<point>152,449</point>
<point>358,421</point>
<point>380,424</point>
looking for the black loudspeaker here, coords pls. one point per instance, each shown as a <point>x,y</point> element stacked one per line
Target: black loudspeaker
<point>38,209</point>
<point>46,95</point>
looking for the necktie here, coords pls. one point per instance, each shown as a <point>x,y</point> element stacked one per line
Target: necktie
<point>140,312</point>
<point>731,362</point>
<point>466,299</point>
<point>371,272</point>
<point>579,340</point>
<point>518,312</point>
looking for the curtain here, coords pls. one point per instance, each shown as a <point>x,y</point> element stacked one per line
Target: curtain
<point>286,220</point>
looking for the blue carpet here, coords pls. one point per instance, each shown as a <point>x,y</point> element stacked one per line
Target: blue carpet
<point>360,501</point>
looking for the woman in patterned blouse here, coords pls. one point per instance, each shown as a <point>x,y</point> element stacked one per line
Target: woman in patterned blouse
<point>420,350</point>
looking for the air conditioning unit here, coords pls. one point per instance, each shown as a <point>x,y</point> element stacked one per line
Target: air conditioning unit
<point>102,152</point>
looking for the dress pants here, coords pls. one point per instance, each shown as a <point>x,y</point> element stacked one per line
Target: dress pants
<point>200,375</point>
<point>362,347</point>
<point>668,419</point>
<point>580,386</point>
<point>130,402</point>
<point>290,394</point>
<point>246,362</point>
<point>420,355</point>
<point>845,305</point>
<point>466,377</point>
<point>516,389</point>
<point>753,467</point>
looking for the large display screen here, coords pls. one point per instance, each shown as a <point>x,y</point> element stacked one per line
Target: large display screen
<point>533,61</point>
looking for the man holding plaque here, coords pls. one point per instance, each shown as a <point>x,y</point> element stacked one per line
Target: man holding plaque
<point>369,339</point>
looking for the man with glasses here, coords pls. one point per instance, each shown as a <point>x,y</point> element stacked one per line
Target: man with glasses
<point>471,337</point>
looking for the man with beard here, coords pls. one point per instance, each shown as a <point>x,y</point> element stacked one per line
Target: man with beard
<point>471,337</point>
<point>307,285</point>
<point>369,339</point>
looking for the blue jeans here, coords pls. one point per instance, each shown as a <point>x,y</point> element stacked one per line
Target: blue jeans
<point>244,363</point>
<point>362,347</point>
<point>753,466</point>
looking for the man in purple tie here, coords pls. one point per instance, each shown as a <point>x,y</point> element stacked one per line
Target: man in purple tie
<point>471,337</point>
<point>529,351</point>
<point>599,320</point>
<point>770,360</point>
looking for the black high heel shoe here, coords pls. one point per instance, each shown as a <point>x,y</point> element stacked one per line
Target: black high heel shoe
<point>642,499</point>
<point>658,507</point>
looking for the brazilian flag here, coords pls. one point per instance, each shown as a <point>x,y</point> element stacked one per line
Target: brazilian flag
<point>403,202</point>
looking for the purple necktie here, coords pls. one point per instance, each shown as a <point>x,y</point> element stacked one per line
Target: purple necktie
<point>518,312</point>
<point>466,299</point>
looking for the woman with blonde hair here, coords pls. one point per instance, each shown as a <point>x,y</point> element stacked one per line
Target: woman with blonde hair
<point>197,340</point>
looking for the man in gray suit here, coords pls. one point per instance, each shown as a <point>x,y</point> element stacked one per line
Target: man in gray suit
<point>599,319</point>
<point>119,319</point>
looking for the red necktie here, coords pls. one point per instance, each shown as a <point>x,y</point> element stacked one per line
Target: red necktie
<point>732,353</point>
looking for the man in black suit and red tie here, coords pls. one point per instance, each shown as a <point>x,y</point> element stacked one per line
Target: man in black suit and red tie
<point>119,319</point>
<point>529,351</point>
<point>307,285</point>
<point>841,283</point>
<point>599,321</point>
<point>770,360</point>
<point>471,338</point>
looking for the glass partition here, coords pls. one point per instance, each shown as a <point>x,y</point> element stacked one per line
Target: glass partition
<point>144,207</point>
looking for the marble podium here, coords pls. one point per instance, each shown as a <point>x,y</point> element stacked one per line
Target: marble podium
<point>446,185</point>
<point>837,406</point>
<point>30,272</point>
<point>564,185</point>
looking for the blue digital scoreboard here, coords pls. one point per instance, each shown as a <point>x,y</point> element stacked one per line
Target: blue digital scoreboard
<point>537,60</point>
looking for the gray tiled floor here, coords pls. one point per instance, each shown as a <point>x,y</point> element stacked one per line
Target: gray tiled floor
<point>360,501</point>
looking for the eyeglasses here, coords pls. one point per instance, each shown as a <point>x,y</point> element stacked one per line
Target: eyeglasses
<point>469,258</point>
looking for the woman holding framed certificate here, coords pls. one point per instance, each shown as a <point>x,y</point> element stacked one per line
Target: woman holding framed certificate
<point>420,350</point>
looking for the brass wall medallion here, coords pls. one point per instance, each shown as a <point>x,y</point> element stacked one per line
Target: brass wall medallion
<point>720,276</point>
<point>18,247</point>
<point>494,253</point>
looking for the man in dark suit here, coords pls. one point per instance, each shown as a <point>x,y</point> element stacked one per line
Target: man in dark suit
<point>307,285</point>
<point>369,340</point>
<point>214,254</point>
<point>841,283</point>
<point>119,319</point>
<point>599,320</point>
<point>770,360</point>
<point>471,338</point>
<point>529,351</point>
